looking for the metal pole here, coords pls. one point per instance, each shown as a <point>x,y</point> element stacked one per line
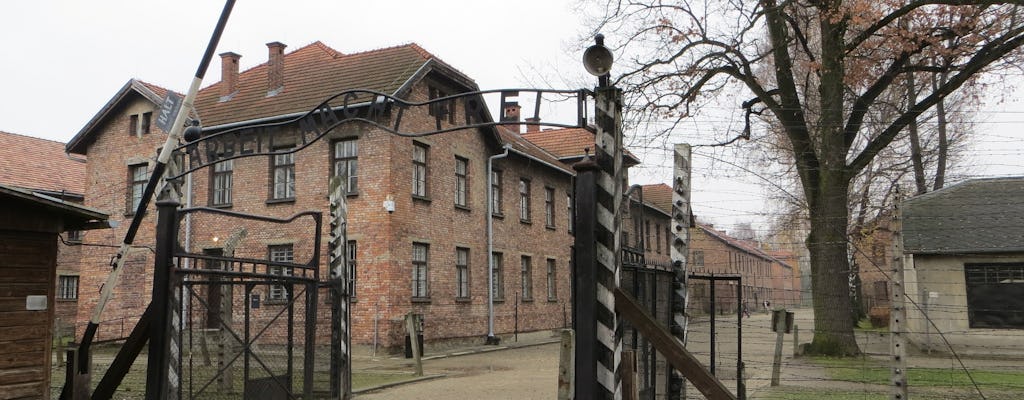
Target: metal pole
<point>741,385</point>
<point>491,339</point>
<point>158,366</point>
<point>714,313</point>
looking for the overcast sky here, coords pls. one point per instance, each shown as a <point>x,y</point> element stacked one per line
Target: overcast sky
<point>63,60</point>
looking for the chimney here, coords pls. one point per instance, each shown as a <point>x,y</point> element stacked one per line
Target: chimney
<point>533,128</point>
<point>511,114</point>
<point>228,75</point>
<point>275,68</point>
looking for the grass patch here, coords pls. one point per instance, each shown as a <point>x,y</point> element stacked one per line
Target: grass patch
<point>872,372</point>
<point>865,325</point>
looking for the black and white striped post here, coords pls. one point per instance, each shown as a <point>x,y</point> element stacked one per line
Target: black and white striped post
<point>341,371</point>
<point>679,253</point>
<point>598,242</point>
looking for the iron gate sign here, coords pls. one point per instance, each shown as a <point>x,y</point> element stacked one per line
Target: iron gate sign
<point>375,108</point>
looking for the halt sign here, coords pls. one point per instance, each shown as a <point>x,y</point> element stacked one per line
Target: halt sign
<point>168,111</point>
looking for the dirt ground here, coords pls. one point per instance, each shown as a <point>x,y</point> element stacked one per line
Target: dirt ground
<point>524,373</point>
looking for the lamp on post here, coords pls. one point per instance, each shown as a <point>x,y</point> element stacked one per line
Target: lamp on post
<point>596,273</point>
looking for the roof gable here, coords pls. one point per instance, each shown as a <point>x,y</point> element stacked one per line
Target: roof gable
<point>660,196</point>
<point>976,216</point>
<point>149,91</point>
<point>39,164</point>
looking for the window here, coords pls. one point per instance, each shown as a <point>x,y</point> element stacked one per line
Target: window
<point>657,238</point>
<point>67,287</point>
<point>75,236</point>
<point>461,182</point>
<point>497,284</point>
<point>496,192</point>
<point>133,124</point>
<point>442,110</point>
<point>420,289</point>
<point>527,278</point>
<point>280,254</point>
<point>552,280</point>
<point>698,258</point>
<point>144,125</point>
<point>524,200</point>
<point>647,235</point>
<point>461,273</point>
<point>222,183</point>
<point>994,295</point>
<point>138,175</point>
<point>350,249</point>
<point>569,212</point>
<point>549,207</point>
<point>668,241</point>
<point>282,171</point>
<point>346,164</point>
<point>625,238</point>
<point>419,170</point>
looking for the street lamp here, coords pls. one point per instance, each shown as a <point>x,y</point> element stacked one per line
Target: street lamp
<point>597,59</point>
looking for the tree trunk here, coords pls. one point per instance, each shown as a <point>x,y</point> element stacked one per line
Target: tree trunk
<point>940,167</point>
<point>915,140</point>
<point>833,323</point>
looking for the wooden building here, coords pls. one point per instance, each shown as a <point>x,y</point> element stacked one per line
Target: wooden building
<point>29,225</point>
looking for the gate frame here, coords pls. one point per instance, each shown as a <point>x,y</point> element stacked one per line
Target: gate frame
<point>741,387</point>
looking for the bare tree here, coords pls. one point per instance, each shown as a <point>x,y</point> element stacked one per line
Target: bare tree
<point>817,69</point>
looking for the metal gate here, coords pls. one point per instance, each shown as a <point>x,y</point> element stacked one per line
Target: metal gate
<point>651,285</point>
<point>247,326</point>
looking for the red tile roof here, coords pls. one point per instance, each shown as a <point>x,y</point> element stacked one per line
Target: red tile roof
<point>569,143</point>
<point>659,195</point>
<point>39,164</point>
<point>312,74</point>
<point>525,147</point>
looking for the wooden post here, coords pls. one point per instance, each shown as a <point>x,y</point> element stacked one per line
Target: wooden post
<point>566,366</point>
<point>796,341</point>
<point>410,325</point>
<point>627,372</point>
<point>897,343</point>
<point>780,330</point>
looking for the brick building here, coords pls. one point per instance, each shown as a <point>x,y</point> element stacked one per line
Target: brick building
<point>40,166</point>
<point>428,256</point>
<point>764,277</point>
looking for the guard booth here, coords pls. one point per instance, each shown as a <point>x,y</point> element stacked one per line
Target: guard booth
<point>29,225</point>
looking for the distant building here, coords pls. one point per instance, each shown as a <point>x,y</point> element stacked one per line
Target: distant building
<point>964,261</point>
<point>764,277</point>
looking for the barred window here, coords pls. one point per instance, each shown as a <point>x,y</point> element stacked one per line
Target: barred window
<point>497,283</point>
<point>524,200</point>
<point>67,287</point>
<point>549,207</point>
<point>280,254</point>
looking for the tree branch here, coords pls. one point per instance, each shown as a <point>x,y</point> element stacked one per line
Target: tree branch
<point>985,56</point>
<point>907,9</point>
